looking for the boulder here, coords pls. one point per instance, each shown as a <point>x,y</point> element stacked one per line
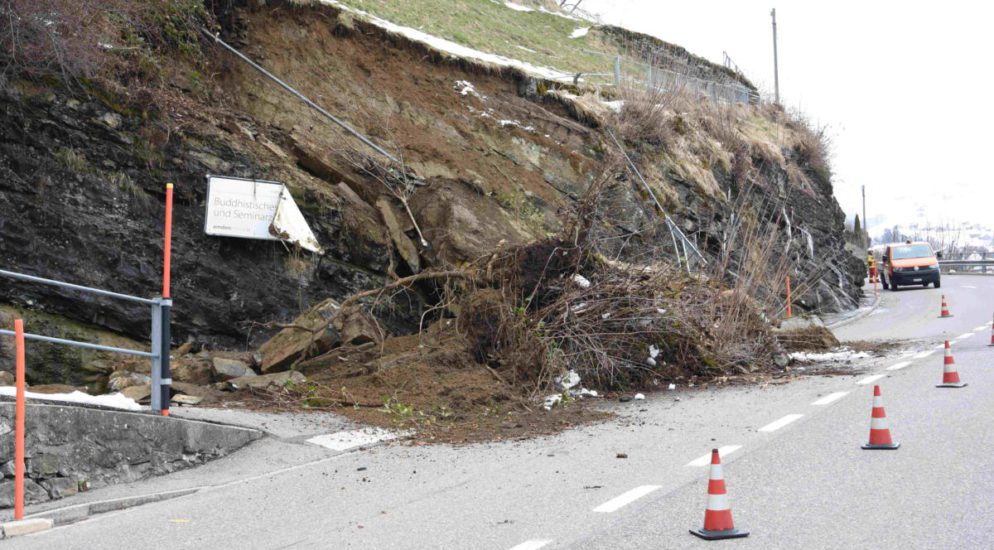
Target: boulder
<point>263,381</point>
<point>59,487</point>
<point>191,389</point>
<point>183,399</point>
<point>33,493</point>
<point>357,327</point>
<point>122,379</point>
<point>310,334</point>
<point>140,394</point>
<point>6,378</point>
<point>194,370</point>
<point>226,369</point>
<point>405,246</point>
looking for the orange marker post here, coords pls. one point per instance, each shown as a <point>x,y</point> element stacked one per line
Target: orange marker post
<point>789,312</point>
<point>19,421</point>
<point>167,245</point>
<point>165,308</point>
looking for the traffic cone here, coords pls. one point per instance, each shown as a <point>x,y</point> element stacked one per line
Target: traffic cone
<point>945,308</point>
<point>950,378</point>
<point>879,431</point>
<point>718,515</point>
<point>991,345</point>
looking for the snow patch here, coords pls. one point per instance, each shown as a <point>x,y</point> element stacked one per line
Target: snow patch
<point>465,87</point>
<point>581,281</point>
<point>841,355</point>
<point>580,33</point>
<point>518,7</point>
<point>615,105</point>
<point>343,441</point>
<point>112,400</point>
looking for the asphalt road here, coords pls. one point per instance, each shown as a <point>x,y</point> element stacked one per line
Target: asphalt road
<point>795,473</point>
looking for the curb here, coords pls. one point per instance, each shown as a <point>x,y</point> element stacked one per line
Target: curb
<point>857,317</point>
<point>21,527</point>
<point>79,512</point>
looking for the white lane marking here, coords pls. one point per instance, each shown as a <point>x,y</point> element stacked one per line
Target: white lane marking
<point>870,379</point>
<point>963,336</point>
<point>937,348</point>
<point>343,441</point>
<point>777,424</point>
<point>899,366</point>
<point>831,398</point>
<point>925,354</point>
<point>968,286</point>
<point>722,452</point>
<point>532,544</point>
<point>626,498</point>
<point>980,328</point>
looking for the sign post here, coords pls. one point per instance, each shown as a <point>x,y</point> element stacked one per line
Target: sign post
<point>19,421</point>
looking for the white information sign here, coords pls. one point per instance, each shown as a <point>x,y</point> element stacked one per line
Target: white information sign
<point>241,208</point>
<point>255,209</point>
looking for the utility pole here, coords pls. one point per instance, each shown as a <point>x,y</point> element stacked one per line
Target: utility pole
<point>866,223</point>
<point>776,69</point>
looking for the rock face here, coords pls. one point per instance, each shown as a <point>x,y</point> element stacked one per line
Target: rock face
<point>68,447</point>
<point>60,160</point>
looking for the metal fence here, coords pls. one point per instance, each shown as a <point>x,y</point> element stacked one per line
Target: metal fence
<point>159,335</point>
<point>658,79</point>
<point>982,267</point>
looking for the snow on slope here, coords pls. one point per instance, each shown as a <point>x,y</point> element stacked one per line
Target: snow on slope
<point>453,48</point>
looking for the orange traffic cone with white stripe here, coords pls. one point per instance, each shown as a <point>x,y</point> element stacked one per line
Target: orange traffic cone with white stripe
<point>879,429</point>
<point>945,308</point>
<point>950,378</point>
<point>718,515</point>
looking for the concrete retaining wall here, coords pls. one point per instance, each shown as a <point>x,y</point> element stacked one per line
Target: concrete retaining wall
<point>76,448</point>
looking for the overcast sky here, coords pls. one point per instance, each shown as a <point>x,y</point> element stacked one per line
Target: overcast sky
<point>905,89</point>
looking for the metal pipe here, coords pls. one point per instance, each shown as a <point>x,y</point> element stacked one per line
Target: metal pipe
<point>74,343</point>
<point>91,290</point>
<point>302,97</point>
<point>165,379</point>
<point>156,394</point>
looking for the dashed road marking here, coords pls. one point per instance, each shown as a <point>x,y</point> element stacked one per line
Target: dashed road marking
<point>870,379</point>
<point>532,544</point>
<point>722,452</point>
<point>980,328</point>
<point>343,441</point>
<point>925,354</point>
<point>968,286</point>
<point>964,336</point>
<point>626,498</point>
<point>777,424</point>
<point>899,366</point>
<point>937,348</point>
<point>831,398</point>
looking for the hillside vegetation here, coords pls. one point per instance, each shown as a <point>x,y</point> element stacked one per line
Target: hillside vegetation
<point>513,243</point>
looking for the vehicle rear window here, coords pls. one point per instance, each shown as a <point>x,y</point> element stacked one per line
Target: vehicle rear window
<point>912,251</point>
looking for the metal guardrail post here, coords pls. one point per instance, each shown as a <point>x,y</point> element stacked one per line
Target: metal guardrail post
<point>166,377</point>
<point>156,393</point>
<point>617,70</point>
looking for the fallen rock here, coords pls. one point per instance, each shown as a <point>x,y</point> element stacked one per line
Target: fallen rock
<point>226,369</point>
<point>183,399</point>
<point>33,493</point>
<point>310,334</point>
<point>6,378</point>
<point>193,370</point>
<point>140,394</point>
<point>122,379</point>
<point>405,246</point>
<point>191,389</point>
<point>357,327</point>
<point>60,487</point>
<point>263,381</point>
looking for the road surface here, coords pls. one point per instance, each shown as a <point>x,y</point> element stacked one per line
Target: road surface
<point>795,473</point>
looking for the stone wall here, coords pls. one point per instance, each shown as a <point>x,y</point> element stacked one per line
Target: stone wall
<point>75,448</point>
